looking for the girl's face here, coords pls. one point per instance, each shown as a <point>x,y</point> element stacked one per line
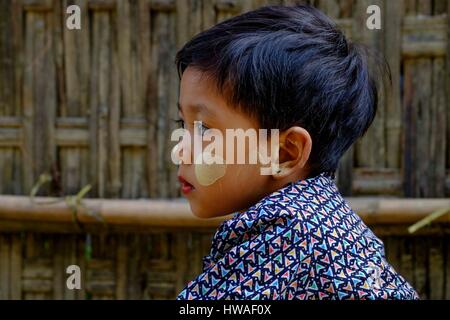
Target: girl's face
<point>215,190</point>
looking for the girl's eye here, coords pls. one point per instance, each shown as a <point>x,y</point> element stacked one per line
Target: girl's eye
<point>201,127</point>
<point>180,122</point>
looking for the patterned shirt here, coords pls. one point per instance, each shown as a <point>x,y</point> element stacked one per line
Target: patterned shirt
<point>300,242</point>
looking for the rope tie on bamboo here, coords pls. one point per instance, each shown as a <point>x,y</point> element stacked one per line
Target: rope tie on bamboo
<point>74,202</point>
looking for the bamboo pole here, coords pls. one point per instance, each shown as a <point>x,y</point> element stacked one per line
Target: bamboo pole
<point>176,212</point>
<point>173,213</point>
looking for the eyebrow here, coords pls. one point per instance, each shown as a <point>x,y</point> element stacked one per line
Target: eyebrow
<point>196,108</point>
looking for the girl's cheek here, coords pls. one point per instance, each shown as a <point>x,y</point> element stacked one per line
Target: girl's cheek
<point>211,169</point>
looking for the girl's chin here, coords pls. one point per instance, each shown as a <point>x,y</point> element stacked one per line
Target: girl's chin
<point>202,212</point>
<point>196,209</point>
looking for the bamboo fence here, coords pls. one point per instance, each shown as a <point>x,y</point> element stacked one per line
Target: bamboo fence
<point>94,106</point>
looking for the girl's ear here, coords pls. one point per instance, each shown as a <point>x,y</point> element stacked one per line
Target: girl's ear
<point>295,149</point>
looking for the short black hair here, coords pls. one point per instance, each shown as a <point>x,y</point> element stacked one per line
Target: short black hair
<point>287,66</point>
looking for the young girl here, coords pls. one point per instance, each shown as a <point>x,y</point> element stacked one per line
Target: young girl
<point>292,236</point>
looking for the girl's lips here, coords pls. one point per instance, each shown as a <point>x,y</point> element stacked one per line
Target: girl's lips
<point>186,187</point>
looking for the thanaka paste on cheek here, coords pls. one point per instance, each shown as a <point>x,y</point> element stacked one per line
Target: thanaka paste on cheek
<point>210,170</point>
<point>272,160</point>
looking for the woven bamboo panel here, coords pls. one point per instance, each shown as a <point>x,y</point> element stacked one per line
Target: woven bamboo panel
<point>95,106</point>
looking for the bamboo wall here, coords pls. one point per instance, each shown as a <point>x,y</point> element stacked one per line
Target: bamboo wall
<point>158,264</point>
<point>95,106</point>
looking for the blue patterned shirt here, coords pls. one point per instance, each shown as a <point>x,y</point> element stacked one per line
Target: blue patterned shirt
<point>300,242</point>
